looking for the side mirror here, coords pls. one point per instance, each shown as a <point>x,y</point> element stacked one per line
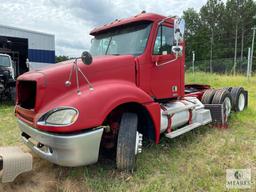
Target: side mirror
<point>179,30</point>
<point>86,58</point>
<point>177,49</point>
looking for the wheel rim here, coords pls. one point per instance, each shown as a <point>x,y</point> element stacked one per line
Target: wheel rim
<point>241,102</point>
<point>228,106</point>
<point>138,144</point>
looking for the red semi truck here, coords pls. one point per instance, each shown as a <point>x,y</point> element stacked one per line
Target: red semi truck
<point>128,88</point>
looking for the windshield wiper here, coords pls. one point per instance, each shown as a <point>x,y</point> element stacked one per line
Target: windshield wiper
<point>108,46</point>
<point>115,54</point>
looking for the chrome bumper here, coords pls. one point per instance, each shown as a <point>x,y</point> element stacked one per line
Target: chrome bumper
<point>63,149</point>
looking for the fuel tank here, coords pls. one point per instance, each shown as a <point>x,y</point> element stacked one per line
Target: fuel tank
<point>179,112</point>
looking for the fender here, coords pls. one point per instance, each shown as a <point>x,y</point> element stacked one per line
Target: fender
<point>94,106</point>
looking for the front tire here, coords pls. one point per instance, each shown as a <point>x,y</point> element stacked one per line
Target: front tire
<point>126,142</point>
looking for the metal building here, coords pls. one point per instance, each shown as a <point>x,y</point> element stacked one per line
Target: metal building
<point>25,45</point>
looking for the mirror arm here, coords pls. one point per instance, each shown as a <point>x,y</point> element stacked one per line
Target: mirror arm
<point>75,68</point>
<point>163,20</point>
<point>170,61</point>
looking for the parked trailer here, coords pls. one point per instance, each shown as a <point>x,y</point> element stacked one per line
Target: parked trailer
<point>131,88</point>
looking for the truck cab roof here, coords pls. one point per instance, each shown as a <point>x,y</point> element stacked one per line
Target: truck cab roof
<point>137,18</point>
<point>2,54</point>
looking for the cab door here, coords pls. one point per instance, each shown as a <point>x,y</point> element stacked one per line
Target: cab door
<point>166,69</point>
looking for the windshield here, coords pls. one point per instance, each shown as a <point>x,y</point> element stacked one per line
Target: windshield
<point>4,61</point>
<point>128,40</point>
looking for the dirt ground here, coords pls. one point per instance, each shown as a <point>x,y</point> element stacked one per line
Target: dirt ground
<point>41,178</point>
<point>47,177</point>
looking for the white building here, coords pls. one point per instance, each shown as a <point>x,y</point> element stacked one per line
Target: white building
<point>23,44</point>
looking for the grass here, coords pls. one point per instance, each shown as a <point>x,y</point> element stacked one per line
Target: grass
<point>9,134</point>
<point>196,161</point>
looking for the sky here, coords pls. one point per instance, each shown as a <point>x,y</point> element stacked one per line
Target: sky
<point>72,20</point>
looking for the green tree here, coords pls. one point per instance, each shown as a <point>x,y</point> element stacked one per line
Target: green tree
<point>61,58</point>
<point>211,16</point>
<point>219,33</point>
<point>192,27</point>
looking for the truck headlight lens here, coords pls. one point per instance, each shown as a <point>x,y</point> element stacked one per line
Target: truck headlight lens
<point>60,116</point>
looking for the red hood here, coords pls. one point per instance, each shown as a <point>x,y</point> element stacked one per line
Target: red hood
<point>51,80</point>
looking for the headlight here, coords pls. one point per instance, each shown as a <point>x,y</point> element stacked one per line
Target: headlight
<point>59,117</point>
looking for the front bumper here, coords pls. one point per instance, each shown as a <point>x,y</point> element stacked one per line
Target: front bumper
<point>70,150</point>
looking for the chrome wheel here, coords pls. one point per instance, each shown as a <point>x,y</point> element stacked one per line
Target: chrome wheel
<point>241,102</point>
<point>138,145</point>
<point>227,106</point>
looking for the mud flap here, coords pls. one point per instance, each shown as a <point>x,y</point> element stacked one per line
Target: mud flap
<point>13,161</point>
<point>246,98</point>
<point>218,115</point>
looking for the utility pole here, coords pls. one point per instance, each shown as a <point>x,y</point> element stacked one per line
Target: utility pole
<point>253,37</point>
<point>238,17</point>
<point>211,52</point>
<point>234,68</point>
<point>242,45</point>
<point>193,61</point>
<point>248,63</point>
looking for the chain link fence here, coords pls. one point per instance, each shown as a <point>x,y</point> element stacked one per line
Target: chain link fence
<point>221,65</point>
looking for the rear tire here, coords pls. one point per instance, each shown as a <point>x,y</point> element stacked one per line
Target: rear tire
<point>207,96</point>
<point>126,142</point>
<point>222,96</point>
<point>228,88</point>
<point>238,98</point>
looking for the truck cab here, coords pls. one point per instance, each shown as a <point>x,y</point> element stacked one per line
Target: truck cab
<point>151,45</point>
<point>6,64</point>
<point>128,88</point>
<point>7,82</point>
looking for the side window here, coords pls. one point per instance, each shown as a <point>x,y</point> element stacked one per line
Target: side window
<point>164,41</point>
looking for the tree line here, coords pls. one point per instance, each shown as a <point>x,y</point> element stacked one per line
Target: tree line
<point>220,34</point>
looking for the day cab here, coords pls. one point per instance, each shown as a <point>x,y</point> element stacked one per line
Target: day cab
<point>128,88</point>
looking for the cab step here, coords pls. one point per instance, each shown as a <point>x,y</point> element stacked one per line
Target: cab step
<point>202,117</point>
<point>183,130</point>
